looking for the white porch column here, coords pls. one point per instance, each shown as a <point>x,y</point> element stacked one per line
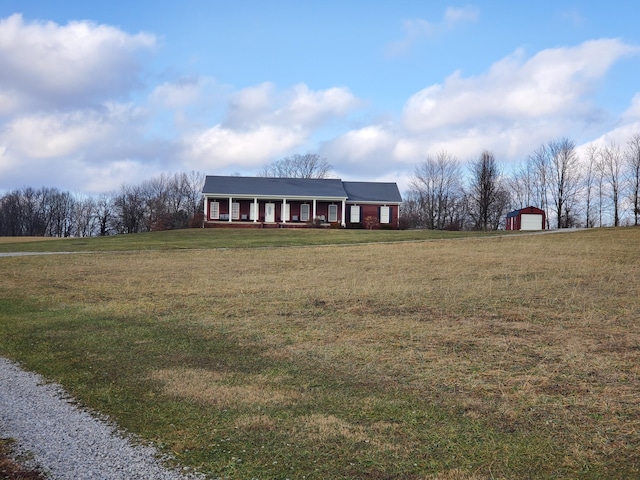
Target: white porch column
<point>344,212</point>
<point>314,210</point>
<point>282,211</point>
<point>230,202</point>
<point>206,210</point>
<point>255,210</point>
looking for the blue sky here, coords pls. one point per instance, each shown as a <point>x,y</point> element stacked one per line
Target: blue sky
<point>97,94</point>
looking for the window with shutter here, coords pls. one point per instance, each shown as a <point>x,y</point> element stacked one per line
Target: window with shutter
<point>235,211</point>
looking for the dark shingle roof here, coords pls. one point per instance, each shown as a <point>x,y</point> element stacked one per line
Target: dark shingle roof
<point>302,187</point>
<point>285,187</point>
<point>372,192</point>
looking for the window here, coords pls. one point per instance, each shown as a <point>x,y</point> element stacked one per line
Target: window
<point>304,212</point>
<point>214,211</point>
<point>333,213</point>
<point>252,211</point>
<point>355,214</point>
<point>384,214</point>
<point>235,211</point>
<point>285,212</point>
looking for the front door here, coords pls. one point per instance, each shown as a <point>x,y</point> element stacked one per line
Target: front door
<point>270,212</point>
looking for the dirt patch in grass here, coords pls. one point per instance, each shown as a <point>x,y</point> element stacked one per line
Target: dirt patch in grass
<point>11,469</point>
<point>225,391</point>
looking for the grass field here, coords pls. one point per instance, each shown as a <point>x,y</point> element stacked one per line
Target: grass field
<point>508,357</point>
<point>224,238</point>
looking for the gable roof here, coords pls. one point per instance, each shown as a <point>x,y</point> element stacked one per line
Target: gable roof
<point>330,188</point>
<point>271,187</point>
<point>529,209</point>
<point>372,192</point>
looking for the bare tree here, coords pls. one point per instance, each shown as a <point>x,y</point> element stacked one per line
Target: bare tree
<point>310,165</point>
<point>84,219</point>
<point>592,179</point>
<point>191,186</point>
<point>521,185</point>
<point>541,172</point>
<point>105,214</point>
<point>632,156</point>
<point>564,180</point>
<point>611,165</point>
<point>437,186</point>
<point>488,200</point>
<point>129,206</point>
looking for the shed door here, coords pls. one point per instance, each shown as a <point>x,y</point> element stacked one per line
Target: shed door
<point>531,221</point>
<point>269,212</point>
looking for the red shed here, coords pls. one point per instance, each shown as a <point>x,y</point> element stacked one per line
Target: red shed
<point>529,218</point>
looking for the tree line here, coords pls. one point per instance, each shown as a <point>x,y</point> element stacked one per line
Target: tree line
<point>599,188</point>
<point>167,201</point>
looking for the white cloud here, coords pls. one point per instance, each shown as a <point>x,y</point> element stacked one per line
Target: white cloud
<point>60,109</point>
<point>361,144</point>
<point>309,108</point>
<point>417,28</point>
<point>220,148</point>
<point>176,95</point>
<point>454,16</point>
<point>55,65</point>
<point>66,133</point>
<point>263,124</point>
<point>514,107</point>
<point>553,82</point>
<point>298,106</point>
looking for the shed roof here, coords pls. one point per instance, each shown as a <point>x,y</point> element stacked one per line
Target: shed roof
<point>529,209</point>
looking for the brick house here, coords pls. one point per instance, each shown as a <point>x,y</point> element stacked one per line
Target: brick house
<point>299,202</point>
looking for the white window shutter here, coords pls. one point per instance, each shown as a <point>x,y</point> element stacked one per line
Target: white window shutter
<point>214,211</point>
<point>384,215</point>
<point>355,214</point>
<point>235,211</point>
<point>304,212</point>
<point>333,213</point>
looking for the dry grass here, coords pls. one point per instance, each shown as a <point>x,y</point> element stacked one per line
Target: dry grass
<point>533,338</point>
<point>16,240</point>
<point>222,391</point>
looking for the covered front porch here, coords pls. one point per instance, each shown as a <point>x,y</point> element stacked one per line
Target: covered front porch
<point>285,212</point>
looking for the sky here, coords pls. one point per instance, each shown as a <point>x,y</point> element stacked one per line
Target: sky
<point>94,95</point>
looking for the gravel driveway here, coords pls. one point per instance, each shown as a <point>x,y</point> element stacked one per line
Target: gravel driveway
<point>66,442</point>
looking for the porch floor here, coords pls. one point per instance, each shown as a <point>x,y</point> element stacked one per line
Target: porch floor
<point>251,224</point>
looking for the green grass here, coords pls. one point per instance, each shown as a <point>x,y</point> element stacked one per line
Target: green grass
<point>513,357</point>
<point>225,238</point>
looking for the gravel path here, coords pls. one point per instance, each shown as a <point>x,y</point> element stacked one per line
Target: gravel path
<point>64,441</point>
